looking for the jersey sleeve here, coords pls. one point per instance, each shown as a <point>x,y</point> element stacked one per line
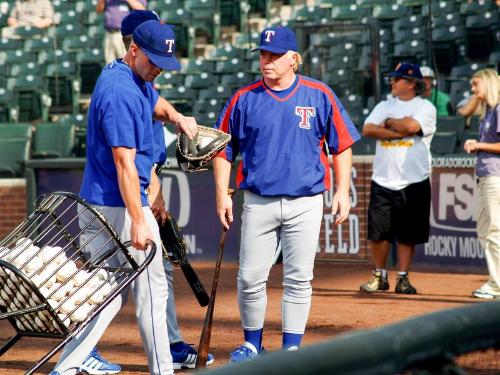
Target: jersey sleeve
<point>341,131</point>
<point>426,117</point>
<point>120,119</point>
<point>228,122</point>
<point>377,115</point>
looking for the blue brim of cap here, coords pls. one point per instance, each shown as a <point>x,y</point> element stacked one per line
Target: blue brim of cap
<point>395,74</point>
<point>163,62</point>
<point>270,49</point>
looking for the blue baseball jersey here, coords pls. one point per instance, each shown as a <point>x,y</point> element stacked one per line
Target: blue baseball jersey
<point>120,115</point>
<point>160,148</point>
<point>282,136</point>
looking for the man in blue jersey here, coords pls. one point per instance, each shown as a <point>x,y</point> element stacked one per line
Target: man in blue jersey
<point>116,176</point>
<point>281,125</point>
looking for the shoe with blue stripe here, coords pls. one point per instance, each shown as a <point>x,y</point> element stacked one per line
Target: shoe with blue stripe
<point>184,356</point>
<point>97,365</point>
<point>243,353</point>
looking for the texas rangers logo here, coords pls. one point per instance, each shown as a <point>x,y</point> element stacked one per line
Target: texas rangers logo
<point>269,34</point>
<point>170,44</point>
<point>305,113</point>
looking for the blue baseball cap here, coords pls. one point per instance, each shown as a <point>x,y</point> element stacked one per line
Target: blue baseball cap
<point>406,70</point>
<point>157,40</point>
<point>277,40</point>
<point>135,18</point>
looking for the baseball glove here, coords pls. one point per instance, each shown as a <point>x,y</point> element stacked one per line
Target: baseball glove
<point>194,154</point>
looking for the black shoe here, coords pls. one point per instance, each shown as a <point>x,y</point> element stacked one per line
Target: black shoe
<point>403,285</point>
<point>375,284</point>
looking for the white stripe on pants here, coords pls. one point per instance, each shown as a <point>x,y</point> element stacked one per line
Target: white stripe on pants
<point>488,226</point>
<point>295,223</point>
<point>150,297</point>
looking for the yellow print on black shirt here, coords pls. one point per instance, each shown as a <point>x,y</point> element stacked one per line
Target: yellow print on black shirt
<point>386,143</point>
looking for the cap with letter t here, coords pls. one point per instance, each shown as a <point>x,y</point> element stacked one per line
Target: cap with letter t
<point>157,41</point>
<point>278,39</point>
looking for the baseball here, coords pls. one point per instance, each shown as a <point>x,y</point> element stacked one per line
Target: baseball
<point>67,307</point>
<point>18,260</point>
<point>33,265</point>
<point>40,323</point>
<point>24,291</point>
<point>96,297</point>
<point>102,275</point>
<point>63,318</point>
<point>61,255</point>
<point>43,317</point>
<point>23,242</point>
<point>66,271</point>
<point>105,289</point>
<point>80,295</point>
<point>61,290</point>
<point>4,298</point>
<point>81,277</point>
<point>35,279</point>
<point>53,303</point>
<point>47,253</point>
<point>48,278</point>
<point>45,291</point>
<point>20,324</point>
<point>81,313</point>
<point>10,283</point>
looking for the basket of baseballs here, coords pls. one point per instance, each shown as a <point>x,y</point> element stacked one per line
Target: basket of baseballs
<point>60,289</point>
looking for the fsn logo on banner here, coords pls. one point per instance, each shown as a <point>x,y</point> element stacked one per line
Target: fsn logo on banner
<point>453,239</point>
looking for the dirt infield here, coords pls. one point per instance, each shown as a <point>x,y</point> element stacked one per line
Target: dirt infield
<point>337,307</point>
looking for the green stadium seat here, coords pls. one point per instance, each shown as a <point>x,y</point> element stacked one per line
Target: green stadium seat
<point>233,65</point>
<point>406,23</point>
<point>201,81</point>
<point>61,32</point>
<point>14,152</point>
<point>480,30</point>
<point>63,86</point>
<point>9,111</point>
<point>169,79</point>
<point>312,14</point>
<point>221,93</point>
<point>350,12</point>
<point>54,56</point>
<point>179,94</point>
<point>416,33</point>
<point>10,44</point>
<point>79,43</point>
<point>227,51</point>
<point>459,90</point>
<point>16,131</point>
<point>90,65</point>
<point>477,7</point>
<point>451,124</point>
<point>31,97</point>
<point>440,8</point>
<point>236,79</point>
<point>94,19</point>
<point>38,45</point>
<point>390,12</point>
<point>161,5</point>
<point>28,32</point>
<point>25,69</point>
<point>199,66</point>
<point>71,16</point>
<point>53,140</point>
<point>444,142</point>
<point>16,56</point>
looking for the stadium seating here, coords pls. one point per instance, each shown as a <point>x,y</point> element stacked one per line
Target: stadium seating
<point>53,140</point>
<point>52,72</point>
<point>444,142</point>
<point>14,152</point>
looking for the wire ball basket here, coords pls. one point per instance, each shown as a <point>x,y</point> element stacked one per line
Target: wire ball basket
<point>59,268</point>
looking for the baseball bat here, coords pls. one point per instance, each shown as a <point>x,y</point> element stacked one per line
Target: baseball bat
<point>173,239</point>
<point>206,332</point>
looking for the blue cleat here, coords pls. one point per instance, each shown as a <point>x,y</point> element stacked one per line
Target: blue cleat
<point>243,353</point>
<point>184,356</point>
<point>96,365</point>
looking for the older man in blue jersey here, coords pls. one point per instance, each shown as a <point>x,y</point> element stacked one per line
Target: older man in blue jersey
<point>281,125</point>
<point>118,170</point>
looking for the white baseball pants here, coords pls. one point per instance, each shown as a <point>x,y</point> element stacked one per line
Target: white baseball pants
<point>488,227</point>
<point>295,223</point>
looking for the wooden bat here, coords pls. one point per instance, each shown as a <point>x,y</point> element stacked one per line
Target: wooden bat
<point>206,332</point>
<point>173,241</point>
